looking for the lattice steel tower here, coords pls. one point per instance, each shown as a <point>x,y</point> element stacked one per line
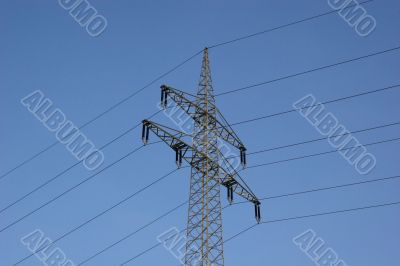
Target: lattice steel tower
<point>209,167</point>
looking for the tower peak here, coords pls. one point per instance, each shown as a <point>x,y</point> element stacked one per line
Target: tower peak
<point>205,88</point>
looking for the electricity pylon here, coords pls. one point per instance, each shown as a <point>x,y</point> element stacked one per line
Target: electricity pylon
<point>209,167</point>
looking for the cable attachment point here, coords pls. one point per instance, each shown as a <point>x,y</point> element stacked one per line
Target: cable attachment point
<point>257,212</point>
<point>230,194</point>
<point>178,157</point>
<point>229,189</point>
<point>164,96</point>
<point>243,159</point>
<point>178,153</point>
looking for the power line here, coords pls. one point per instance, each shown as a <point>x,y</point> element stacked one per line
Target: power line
<point>316,215</point>
<point>284,195</point>
<point>233,124</point>
<point>72,188</point>
<point>100,214</point>
<point>265,198</point>
<point>323,189</point>
<point>291,218</point>
<point>253,166</point>
<point>309,71</point>
<point>165,74</point>
<point>141,253</point>
<point>28,160</point>
<point>114,106</point>
<point>238,123</point>
<point>69,168</point>
<point>318,104</point>
<point>321,153</point>
<point>133,233</point>
<point>271,221</point>
<point>242,122</point>
<point>286,25</point>
<point>279,221</point>
<point>319,139</point>
<point>332,212</point>
<point>173,171</point>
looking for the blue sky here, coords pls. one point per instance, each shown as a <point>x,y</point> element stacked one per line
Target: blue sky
<point>43,48</point>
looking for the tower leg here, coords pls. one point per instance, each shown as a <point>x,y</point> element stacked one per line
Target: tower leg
<point>204,245</point>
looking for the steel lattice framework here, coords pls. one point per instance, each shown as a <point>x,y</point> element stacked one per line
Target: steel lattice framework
<point>209,167</point>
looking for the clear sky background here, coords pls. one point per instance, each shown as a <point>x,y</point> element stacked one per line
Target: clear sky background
<point>42,47</point>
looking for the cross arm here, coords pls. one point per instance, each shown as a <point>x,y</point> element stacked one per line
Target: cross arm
<point>182,99</point>
<point>193,156</point>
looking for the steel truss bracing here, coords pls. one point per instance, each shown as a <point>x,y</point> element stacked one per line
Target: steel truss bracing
<point>209,168</point>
